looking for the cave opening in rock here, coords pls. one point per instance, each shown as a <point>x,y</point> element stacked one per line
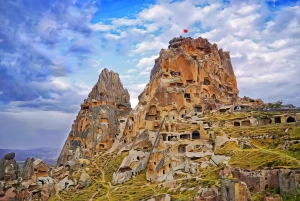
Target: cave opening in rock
<point>179,84</point>
<point>189,81</point>
<point>187,95</point>
<point>181,148</point>
<point>246,123</point>
<point>266,187</point>
<point>290,119</point>
<point>206,81</point>
<point>198,108</point>
<point>125,169</point>
<point>236,123</point>
<point>228,193</point>
<point>277,120</point>
<point>172,84</point>
<point>185,136</point>
<point>164,137</point>
<point>195,135</point>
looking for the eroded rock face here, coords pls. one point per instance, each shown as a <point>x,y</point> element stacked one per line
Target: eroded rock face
<point>9,168</point>
<point>97,125</point>
<point>27,169</point>
<point>191,77</point>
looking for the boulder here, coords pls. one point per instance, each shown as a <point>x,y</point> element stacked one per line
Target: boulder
<point>10,156</point>
<point>44,180</point>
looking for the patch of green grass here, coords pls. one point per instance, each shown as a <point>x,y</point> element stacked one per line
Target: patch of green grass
<point>112,166</point>
<point>253,159</point>
<point>294,133</point>
<point>266,143</point>
<point>258,196</point>
<point>228,149</point>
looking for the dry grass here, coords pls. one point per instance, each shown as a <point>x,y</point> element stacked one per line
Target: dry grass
<point>253,159</point>
<point>228,149</point>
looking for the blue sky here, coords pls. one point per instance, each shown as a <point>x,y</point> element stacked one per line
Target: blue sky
<point>51,53</point>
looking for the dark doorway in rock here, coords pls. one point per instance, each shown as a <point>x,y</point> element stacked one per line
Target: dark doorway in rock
<point>164,137</point>
<point>167,128</point>
<point>290,119</point>
<point>185,136</point>
<point>266,187</point>
<point>181,148</point>
<point>277,120</point>
<point>228,198</point>
<point>198,109</point>
<point>206,81</point>
<point>196,135</point>
<point>187,95</point>
<point>236,123</point>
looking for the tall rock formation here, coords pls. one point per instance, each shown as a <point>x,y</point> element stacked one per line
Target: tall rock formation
<point>9,168</point>
<point>191,77</point>
<point>97,124</point>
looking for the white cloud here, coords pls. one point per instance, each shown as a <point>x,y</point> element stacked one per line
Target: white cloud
<point>125,22</point>
<point>146,62</point>
<point>146,71</point>
<point>148,46</point>
<point>114,36</point>
<point>1,92</point>
<point>102,27</point>
<point>131,70</point>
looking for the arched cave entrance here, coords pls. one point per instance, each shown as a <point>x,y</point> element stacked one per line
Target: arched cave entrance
<point>195,135</point>
<point>290,119</point>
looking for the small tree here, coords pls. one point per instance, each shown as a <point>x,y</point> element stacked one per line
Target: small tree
<point>277,104</point>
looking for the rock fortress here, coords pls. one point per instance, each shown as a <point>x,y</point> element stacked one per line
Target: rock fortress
<point>191,137</point>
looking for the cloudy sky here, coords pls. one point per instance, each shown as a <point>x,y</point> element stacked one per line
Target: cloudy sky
<point>52,51</point>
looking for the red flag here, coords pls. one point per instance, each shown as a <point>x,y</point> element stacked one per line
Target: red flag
<point>185,30</point>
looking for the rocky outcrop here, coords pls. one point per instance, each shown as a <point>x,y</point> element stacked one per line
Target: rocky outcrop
<point>97,125</point>
<point>27,169</point>
<point>191,77</point>
<point>9,168</point>
<point>33,169</point>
